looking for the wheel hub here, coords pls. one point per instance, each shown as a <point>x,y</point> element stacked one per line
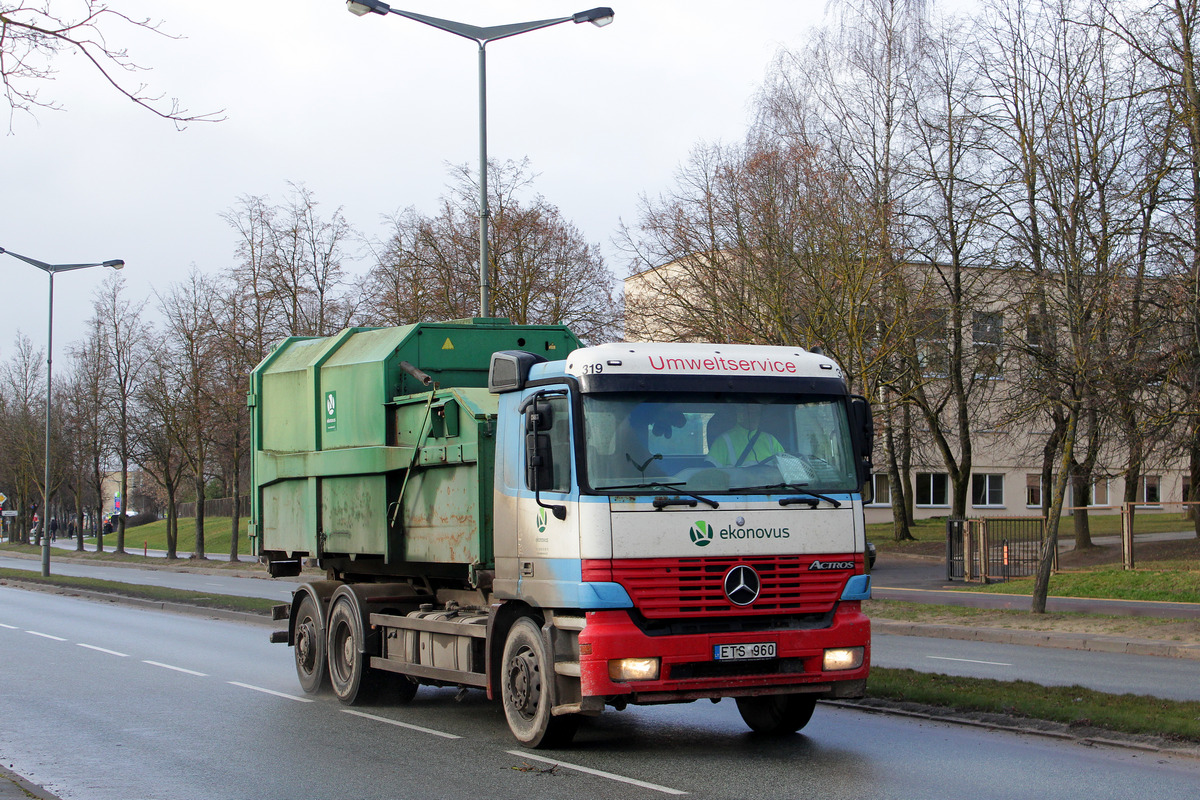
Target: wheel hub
<point>305,652</point>
<point>523,683</point>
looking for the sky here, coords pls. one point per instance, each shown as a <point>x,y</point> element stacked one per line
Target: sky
<point>367,113</point>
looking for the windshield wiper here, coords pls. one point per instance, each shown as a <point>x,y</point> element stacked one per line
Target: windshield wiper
<point>657,485</point>
<point>798,488</point>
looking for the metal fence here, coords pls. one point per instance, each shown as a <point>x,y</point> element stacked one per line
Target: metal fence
<point>994,548</point>
<point>219,507</point>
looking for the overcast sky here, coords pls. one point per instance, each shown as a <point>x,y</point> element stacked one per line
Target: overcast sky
<point>367,113</point>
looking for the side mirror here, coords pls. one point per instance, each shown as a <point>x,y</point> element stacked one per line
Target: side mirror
<point>862,432</point>
<point>539,455</point>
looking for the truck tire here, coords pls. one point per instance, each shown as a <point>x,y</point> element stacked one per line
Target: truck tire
<point>527,689</point>
<point>309,647</point>
<point>777,714</point>
<point>352,679</point>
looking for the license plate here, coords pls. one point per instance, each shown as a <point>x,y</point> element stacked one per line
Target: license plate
<point>743,652</point>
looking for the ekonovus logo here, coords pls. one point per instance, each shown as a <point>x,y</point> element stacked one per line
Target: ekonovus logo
<point>701,533</point>
<point>541,520</point>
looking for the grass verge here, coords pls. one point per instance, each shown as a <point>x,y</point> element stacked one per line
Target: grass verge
<point>1072,706</point>
<point>252,605</point>
<point>217,535</point>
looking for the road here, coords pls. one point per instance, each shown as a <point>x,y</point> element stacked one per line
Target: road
<point>104,701</point>
<point>1169,678</point>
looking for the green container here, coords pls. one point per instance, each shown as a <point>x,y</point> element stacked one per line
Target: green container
<point>357,461</point>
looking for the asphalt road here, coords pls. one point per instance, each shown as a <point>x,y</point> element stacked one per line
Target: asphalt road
<point>104,701</point>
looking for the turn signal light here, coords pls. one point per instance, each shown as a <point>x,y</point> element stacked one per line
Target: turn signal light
<point>633,669</point>
<point>837,658</point>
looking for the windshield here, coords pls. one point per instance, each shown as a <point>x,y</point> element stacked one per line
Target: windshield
<point>717,442</point>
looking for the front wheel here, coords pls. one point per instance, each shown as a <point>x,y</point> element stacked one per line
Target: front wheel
<point>527,689</point>
<point>777,714</point>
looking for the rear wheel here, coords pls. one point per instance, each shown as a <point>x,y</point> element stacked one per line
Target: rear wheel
<point>527,689</point>
<point>309,647</point>
<point>353,680</point>
<point>777,714</point>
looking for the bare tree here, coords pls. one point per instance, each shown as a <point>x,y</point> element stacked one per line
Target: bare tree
<point>123,340</point>
<point>304,267</point>
<point>165,420</point>
<point>34,35</point>
<point>543,270</point>
<point>188,364</point>
<point>22,387</point>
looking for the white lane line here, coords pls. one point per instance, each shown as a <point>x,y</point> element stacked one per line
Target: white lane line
<point>970,661</point>
<point>10,627</point>
<point>47,636</point>
<point>598,773</point>
<point>103,650</point>
<point>398,724</point>
<point>176,669</point>
<point>270,692</point>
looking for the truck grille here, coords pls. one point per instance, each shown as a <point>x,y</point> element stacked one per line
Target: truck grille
<point>675,588</point>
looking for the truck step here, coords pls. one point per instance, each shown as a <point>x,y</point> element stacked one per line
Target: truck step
<point>569,669</point>
<point>569,623</point>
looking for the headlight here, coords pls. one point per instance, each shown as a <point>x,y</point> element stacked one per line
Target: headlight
<point>633,669</point>
<point>837,658</point>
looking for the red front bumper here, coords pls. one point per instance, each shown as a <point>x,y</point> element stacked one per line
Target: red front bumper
<point>689,671</point>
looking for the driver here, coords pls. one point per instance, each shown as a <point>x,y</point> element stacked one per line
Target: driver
<point>745,442</point>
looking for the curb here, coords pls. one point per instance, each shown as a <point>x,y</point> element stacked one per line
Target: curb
<point>14,787</point>
<point>947,717</point>
<point>1066,641</point>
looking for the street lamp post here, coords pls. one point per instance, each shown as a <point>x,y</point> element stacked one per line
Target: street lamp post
<point>597,16</point>
<point>51,270</point>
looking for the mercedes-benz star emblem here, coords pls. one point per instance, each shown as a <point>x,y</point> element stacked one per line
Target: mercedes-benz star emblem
<point>742,585</point>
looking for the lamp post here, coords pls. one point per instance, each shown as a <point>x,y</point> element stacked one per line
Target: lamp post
<point>597,16</point>
<point>51,270</point>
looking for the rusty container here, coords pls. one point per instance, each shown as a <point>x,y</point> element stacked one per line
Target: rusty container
<point>375,447</point>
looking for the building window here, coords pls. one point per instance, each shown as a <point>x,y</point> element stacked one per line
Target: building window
<point>987,490</point>
<point>987,329</point>
<point>1033,491</point>
<point>1037,331</point>
<point>881,490</point>
<point>1099,493</point>
<point>933,489</point>
<point>1150,489</point>
<point>933,351</point>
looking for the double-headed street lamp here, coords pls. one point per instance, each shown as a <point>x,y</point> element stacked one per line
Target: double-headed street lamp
<point>597,16</point>
<point>51,270</point>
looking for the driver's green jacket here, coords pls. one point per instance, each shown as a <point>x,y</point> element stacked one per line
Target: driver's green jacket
<point>729,446</point>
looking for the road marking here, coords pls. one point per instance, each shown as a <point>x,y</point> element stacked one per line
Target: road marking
<point>47,636</point>
<point>176,669</point>
<point>399,724</point>
<point>270,692</point>
<point>598,773</point>
<point>103,650</point>
<point>10,627</point>
<point>971,661</point>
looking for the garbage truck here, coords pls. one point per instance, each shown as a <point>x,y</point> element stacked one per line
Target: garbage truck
<point>566,528</point>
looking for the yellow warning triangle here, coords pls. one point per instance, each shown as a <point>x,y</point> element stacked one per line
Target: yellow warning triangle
<point>448,345</point>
